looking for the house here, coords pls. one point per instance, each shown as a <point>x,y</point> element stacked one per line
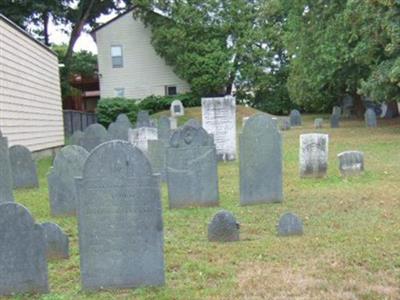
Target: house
<point>88,93</point>
<point>30,94</point>
<point>129,65</point>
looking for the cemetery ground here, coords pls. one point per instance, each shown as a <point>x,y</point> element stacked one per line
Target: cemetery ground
<point>350,248</point>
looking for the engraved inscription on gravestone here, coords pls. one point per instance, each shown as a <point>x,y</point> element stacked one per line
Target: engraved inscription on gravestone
<point>351,163</point>
<point>313,155</point>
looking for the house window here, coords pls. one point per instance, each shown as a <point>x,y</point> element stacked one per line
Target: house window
<point>171,90</point>
<point>116,57</point>
<point>119,92</point>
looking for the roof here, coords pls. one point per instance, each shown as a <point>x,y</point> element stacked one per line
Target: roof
<point>112,20</point>
<point>15,26</point>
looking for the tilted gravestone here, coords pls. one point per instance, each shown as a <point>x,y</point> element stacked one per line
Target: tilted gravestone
<point>94,135</point>
<point>318,123</point>
<point>23,264</point>
<point>335,121</point>
<point>351,163</point>
<point>67,165</point>
<point>219,119</point>
<point>140,137</point>
<point>157,153</point>
<point>370,118</point>
<point>260,161</point>
<point>177,109</point>
<point>285,124</point>
<point>6,179</point>
<point>76,138</point>
<point>23,167</point>
<point>164,129</point>
<point>313,155</point>
<point>295,118</point>
<point>223,228</point>
<point>192,175</point>
<point>57,243</point>
<point>290,224</point>
<point>143,119</point>
<point>120,219</point>
<point>118,130</point>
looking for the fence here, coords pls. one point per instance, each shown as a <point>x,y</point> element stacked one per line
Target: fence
<point>77,120</point>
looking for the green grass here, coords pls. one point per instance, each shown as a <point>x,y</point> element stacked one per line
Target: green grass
<point>350,249</point>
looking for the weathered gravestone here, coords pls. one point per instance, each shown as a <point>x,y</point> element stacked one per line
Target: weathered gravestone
<point>177,109</point>
<point>295,118</point>
<point>93,136</point>
<point>164,129</point>
<point>290,224</point>
<point>192,175</point>
<point>260,161</point>
<point>157,153</point>
<point>336,110</point>
<point>219,119</point>
<point>370,118</point>
<point>335,121</point>
<point>23,167</point>
<point>140,137</point>
<point>193,123</point>
<point>174,123</point>
<point>23,264</point>
<point>318,123</point>
<point>118,130</point>
<point>351,163</point>
<point>120,219</point>
<point>223,228</point>
<point>313,155</point>
<point>76,138</point>
<point>285,124</point>
<point>6,179</point>
<point>57,244</point>
<point>67,165</point>
<point>143,119</point>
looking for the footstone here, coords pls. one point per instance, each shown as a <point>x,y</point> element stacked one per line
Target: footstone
<point>118,130</point>
<point>351,163</point>
<point>76,138</point>
<point>260,161</point>
<point>335,121</point>
<point>164,129</point>
<point>140,137</point>
<point>67,165</point>
<point>120,219</point>
<point>285,124</point>
<point>290,224</point>
<point>157,153</point>
<point>313,155</point>
<point>57,244</point>
<point>192,175</point>
<point>143,119</point>
<point>219,119</point>
<point>23,264</point>
<point>370,118</point>
<point>318,123</point>
<point>23,167</point>
<point>223,228</point>
<point>6,178</point>
<point>94,135</point>
<point>174,123</point>
<point>295,118</point>
<point>177,109</point>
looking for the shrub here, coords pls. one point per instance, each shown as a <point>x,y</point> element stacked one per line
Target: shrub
<point>109,108</point>
<point>159,103</point>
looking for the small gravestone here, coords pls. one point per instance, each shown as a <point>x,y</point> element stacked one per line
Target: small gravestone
<point>23,167</point>
<point>23,264</point>
<point>335,121</point>
<point>143,119</point>
<point>223,228</point>
<point>193,123</point>
<point>120,219</point>
<point>370,118</point>
<point>57,244</point>
<point>174,123</point>
<point>260,161</point>
<point>118,130</point>
<point>285,124</point>
<point>295,118</point>
<point>164,129</point>
<point>93,136</point>
<point>177,109</point>
<point>192,175</point>
<point>219,119</point>
<point>318,123</point>
<point>76,138</point>
<point>351,163</point>
<point>6,177</point>
<point>140,137</point>
<point>157,155</point>
<point>67,165</point>
<point>336,110</point>
<point>313,155</point>
<point>290,224</point>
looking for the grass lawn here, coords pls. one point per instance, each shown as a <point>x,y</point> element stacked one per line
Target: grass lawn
<point>350,250</point>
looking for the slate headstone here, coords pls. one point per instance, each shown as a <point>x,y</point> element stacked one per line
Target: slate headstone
<point>295,118</point>
<point>6,177</point>
<point>177,109</point>
<point>313,155</point>
<point>260,161</point>
<point>370,118</point>
<point>290,224</point>
<point>57,243</point>
<point>143,119</point>
<point>76,138</point>
<point>23,167</point>
<point>347,104</point>
<point>140,137</point>
<point>318,123</point>
<point>23,264</point>
<point>164,129</point>
<point>93,136</point>
<point>118,130</point>
<point>157,152</point>
<point>351,163</point>
<point>335,121</point>
<point>223,228</point>
<point>285,124</point>
<point>120,219</point>
<point>336,110</point>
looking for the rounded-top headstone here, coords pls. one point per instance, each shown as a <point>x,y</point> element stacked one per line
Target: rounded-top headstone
<point>143,119</point>
<point>94,135</point>
<point>295,118</point>
<point>23,167</point>
<point>177,108</point>
<point>223,228</point>
<point>123,118</point>
<point>370,118</point>
<point>290,224</point>
<point>318,123</point>
<point>118,130</point>
<point>189,136</point>
<point>285,124</point>
<point>57,244</point>
<point>76,138</point>
<point>351,163</point>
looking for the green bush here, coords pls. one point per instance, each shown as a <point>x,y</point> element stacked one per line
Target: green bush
<point>109,108</point>
<point>155,104</point>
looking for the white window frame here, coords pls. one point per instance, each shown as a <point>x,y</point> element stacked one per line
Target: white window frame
<point>117,65</point>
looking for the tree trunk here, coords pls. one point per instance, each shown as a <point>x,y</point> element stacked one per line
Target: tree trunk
<point>46,28</point>
<point>358,106</point>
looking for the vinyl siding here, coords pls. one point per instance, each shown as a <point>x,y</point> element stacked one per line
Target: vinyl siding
<point>144,73</point>
<point>30,95</point>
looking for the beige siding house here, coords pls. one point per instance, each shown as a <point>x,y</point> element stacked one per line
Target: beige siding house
<point>128,64</point>
<point>30,95</point>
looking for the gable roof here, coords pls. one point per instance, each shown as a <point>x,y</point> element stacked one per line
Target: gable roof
<point>93,32</point>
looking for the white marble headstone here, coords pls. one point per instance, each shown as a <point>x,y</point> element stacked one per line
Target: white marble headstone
<point>177,109</point>
<point>313,155</point>
<point>139,137</point>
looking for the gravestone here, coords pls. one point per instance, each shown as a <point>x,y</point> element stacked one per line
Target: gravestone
<point>164,129</point>
<point>244,120</point>
<point>174,123</point>
<point>23,264</point>
<point>223,228</point>
<point>260,161</point>
<point>57,244</point>
<point>285,124</point>
<point>76,138</point>
<point>118,130</point>
<point>23,168</point>
<point>370,118</point>
<point>335,121</point>
<point>157,152</point>
<point>120,219</point>
<point>93,136</point>
<point>313,155</point>
<point>140,137</point>
<point>6,178</point>
<point>348,105</point>
<point>193,123</point>
<point>177,109</point>
<point>219,119</point>
<point>351,163</point>
<point>67,165</point>
<point>318,123</point>
<point>143,119</point>
<point>290,224</point>
<point>336,110</point>
<point>295,118</point>
<point>192,175</point>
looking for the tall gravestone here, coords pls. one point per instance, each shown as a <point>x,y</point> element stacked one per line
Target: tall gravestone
<point>67,165</point>
<point>370,118</point>
<point>23,264</point>
<point>118,130</point>
<point>295,118</point>
<point>260,161</point>
<point>157,154</point>
<point>192,175</point>
<point>335,121</point>
<point>93,136</point>
<point>143,119</point>
<point>120,219</point>
<point>6,179</point>
<point>57,243</point>
<point>219,119</point>
<point>23,167</point>
<point>177,109</point>
<point>313,155</point>
<point>351,163</point>
<point>76,138</point>
<point>164,129</point>
<point>141,136</point>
